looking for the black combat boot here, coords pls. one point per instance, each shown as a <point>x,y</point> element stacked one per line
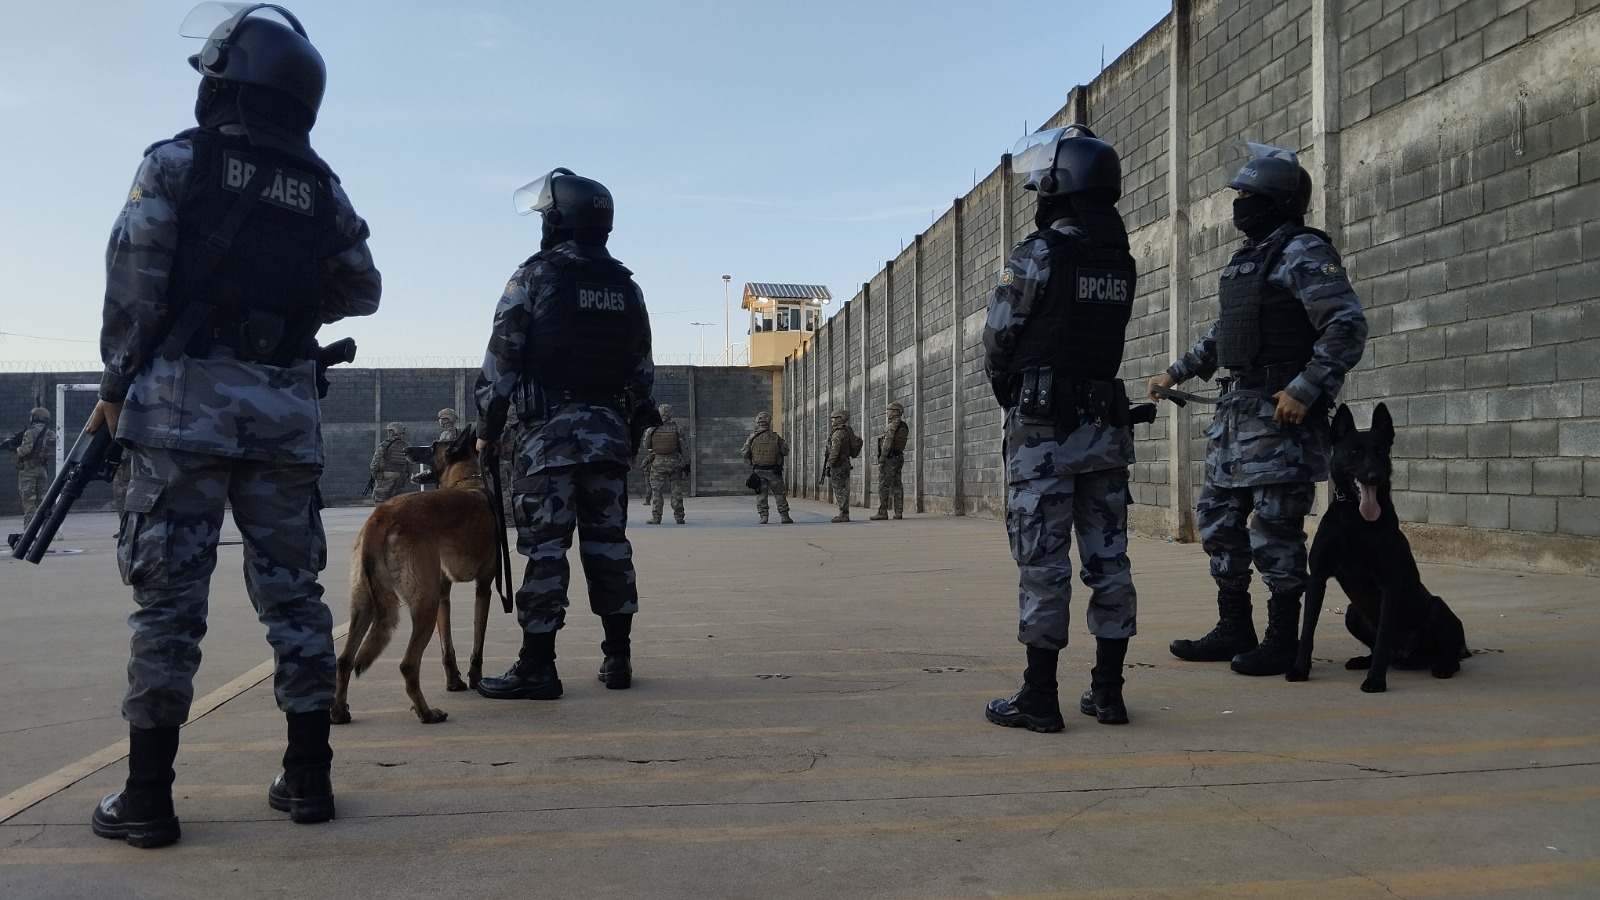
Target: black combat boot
<point>1036,707</point>
<point>1277,651</point>
<point>304,789</point>
<point>1103,699</point>
<point>1235,632</point>
<point>532,677</point>
<point>616,672</point>
<point>142,813</point>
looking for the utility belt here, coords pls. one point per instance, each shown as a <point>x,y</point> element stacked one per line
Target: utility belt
<point>535,404</point>
<point>1043,397</point>
<point>894,454</point>
<point>1268,379</point>
<point>256,336</point>
<point>775,467</point>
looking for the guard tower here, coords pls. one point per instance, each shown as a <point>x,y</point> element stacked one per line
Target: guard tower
<point>782,318</point>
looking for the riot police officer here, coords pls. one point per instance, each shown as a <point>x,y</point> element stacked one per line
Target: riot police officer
<point>224,413</point>
<point>1052,347</point>
<point>1290,329</point>
<point>570,357</point>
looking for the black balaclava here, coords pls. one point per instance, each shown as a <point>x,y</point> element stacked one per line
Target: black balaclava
<point>1098,217</point>
<point>217,103</point>
<point>1052,210</point>
<point>1257,216</point>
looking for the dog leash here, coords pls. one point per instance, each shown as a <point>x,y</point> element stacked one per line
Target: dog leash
<point>489,462</point>
<point>1183,398</point>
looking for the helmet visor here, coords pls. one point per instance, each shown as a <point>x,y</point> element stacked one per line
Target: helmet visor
<point>1036,152</point>
<point>538,195</point>
<point>1249,150</point>
<point>217,19</point>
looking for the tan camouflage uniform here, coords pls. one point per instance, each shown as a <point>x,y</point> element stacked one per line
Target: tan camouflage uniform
<point>843,445</point>
<point>766,451</point>
<point>891,458</point>
<point>389,464</point>
<point>34,453</point>
<point>665,448</point>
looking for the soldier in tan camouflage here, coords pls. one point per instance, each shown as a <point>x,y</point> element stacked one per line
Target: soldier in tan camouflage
<point>35,447</point>
<point>448,430</point>
<point>765,451</point>
<point>843,445</point>
<point>891,457</point>
<point>665,462</point>
<point>389,465</point>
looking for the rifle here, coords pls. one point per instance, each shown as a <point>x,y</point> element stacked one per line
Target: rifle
<point>95,456</point>
<point>15,441</point>
<point>822,476</point>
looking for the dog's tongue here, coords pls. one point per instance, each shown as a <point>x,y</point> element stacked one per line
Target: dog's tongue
<point>1369,501</point>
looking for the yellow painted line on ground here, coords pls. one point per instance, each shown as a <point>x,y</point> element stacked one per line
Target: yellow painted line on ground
<point>545,840</point>
<point>1518,878</point>
<point>26,796</point>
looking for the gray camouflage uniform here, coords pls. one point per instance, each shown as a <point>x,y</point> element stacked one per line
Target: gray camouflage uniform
<point>34,453</point>
<point>1257,465</point>
<point>206,434</point>
<point>572,465</point>
<point>1059,482</point>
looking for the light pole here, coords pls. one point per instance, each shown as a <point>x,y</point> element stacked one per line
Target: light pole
<point>727,345</point>
<point>702,339</point>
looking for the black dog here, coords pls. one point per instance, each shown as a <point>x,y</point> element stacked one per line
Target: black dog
<point>1359,543</point>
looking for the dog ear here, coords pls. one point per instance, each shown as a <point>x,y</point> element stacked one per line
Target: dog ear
<point>1343,422</point>
<point>1383,425</point>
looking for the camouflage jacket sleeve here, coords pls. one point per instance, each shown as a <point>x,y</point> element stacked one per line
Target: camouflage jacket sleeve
<point>138,263</point>
<point>893,440</point>
<point>502,361</point>
<point>1020,287</point>
<point>1311,270</point>
<point>783,449</point>
<point>351,283</point>
<point>836,448</point>
<point>744,451</point>
<point>1200,361</point>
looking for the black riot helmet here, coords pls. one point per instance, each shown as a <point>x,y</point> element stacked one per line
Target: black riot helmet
<point>257,50</point>
<point>567,201</point>
<point>1068,160</point>
<point>1275,173</point>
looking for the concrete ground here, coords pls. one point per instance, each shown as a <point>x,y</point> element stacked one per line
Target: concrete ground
<point>807,720</point>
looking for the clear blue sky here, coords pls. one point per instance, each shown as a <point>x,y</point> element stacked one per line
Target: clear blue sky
<point>781,142</point>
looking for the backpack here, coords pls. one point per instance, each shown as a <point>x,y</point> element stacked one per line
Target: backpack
<point>855,445</point>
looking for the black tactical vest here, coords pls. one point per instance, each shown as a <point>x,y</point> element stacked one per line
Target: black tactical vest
<point>1262,324</point>
<point>1079,327</point>
<point>272,269</point>
<point>584,350</point>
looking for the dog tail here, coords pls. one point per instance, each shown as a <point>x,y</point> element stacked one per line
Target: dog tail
<point>379,602</point>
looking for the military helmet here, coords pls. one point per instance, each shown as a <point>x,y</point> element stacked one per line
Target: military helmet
<point>1275,173</point>
<point>566,200</point>
<point>763,418</point>
<point>256,50</point>
<point>397,428</point>
<point>665,410</point>
<point>895,406</point>
<point>447,413</point>
<point>840,413</point>
<point>1068,160</point>
<point>39,414</point>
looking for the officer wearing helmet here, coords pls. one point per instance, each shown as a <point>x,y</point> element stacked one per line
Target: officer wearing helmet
<point>447,425</point>
<point>666,458</point>
<point>891,459</point>
<point>33,448</point>
<point>1053,345</point>
<point>235,244</point>
<point>843,445</point>
<point>765,450</point>
<point>389,464</point>
<point>1290,327</point>
<point>569,357</point>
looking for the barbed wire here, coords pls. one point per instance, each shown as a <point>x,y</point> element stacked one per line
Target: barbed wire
<point>49,367</point>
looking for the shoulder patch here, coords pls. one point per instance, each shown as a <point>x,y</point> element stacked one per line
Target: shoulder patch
<point>1007,276</point>
<point>135,196</point>
<point>510,286</point>
<point>1330,269</point>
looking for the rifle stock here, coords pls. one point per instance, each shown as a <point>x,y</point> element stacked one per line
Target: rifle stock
<point>94,457</point>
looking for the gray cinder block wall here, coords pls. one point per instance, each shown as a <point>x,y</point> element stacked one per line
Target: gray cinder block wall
<point>716,406</point>
<point>1455,149</point>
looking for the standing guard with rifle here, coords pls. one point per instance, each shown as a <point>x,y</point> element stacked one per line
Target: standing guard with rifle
<point>235,245</point>
<point>33,447</point>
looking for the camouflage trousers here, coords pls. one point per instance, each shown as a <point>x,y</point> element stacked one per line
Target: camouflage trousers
<point>174,513</point>
<point>771,483</point>
<point>591,499</point>
<point>891,495</point>
<point>839,484</point>
<point>32,483</point>
<point>1042,514</point>
<point>386,485</point>
<point>1275,539</point>
<point>666,483</point>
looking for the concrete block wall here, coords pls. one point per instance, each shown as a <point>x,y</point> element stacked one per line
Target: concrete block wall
<point>1455,150</point>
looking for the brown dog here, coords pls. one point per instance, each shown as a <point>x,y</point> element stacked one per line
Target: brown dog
<point>410,550</point>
